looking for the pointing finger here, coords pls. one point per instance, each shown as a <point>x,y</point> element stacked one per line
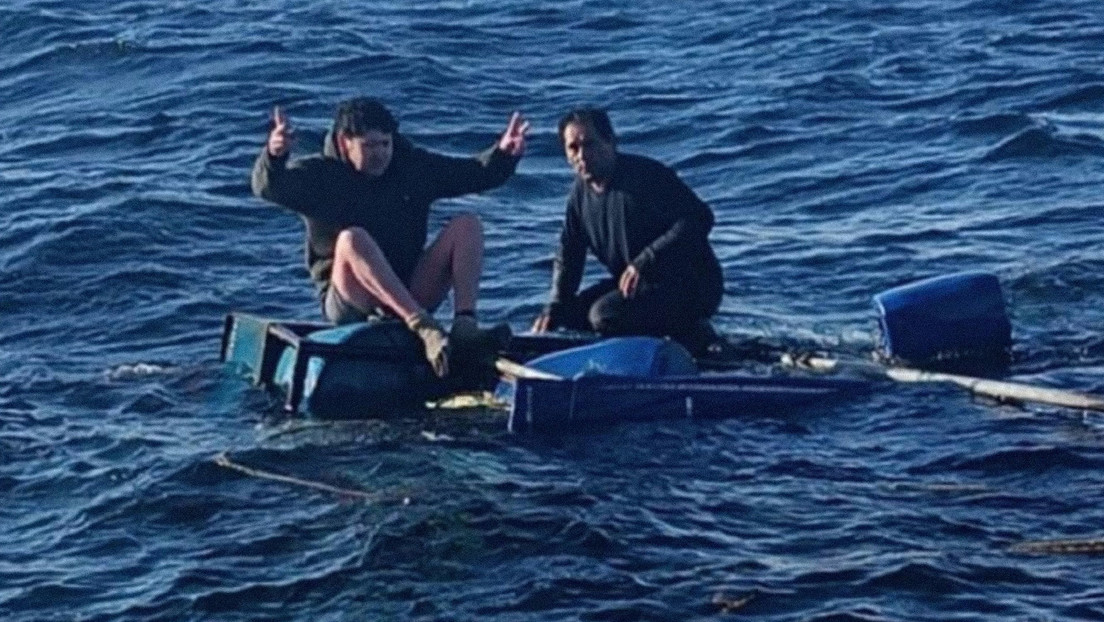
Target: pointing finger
<point>515,120</point>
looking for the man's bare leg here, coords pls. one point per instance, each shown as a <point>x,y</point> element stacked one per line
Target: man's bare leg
<point>364,278</point>
<point>453,261</point>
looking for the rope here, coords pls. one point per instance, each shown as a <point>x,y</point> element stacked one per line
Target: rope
<point>224,461</point>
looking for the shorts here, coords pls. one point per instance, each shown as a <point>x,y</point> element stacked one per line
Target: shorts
<point>340,311</point>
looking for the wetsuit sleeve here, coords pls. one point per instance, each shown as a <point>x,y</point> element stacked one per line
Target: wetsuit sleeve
<point>295,186</point>
<point>567,267</point>
<point>450,176</point>
<point>692,224</point>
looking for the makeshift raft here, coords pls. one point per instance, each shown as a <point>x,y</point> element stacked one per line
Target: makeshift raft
<point>642,378</point>
<point>377,369</point>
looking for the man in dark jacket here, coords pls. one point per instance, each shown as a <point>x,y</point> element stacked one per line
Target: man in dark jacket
<point>365,201</point>
<point>647,228</point>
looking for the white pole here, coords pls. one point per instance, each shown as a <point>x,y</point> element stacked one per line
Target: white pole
<point>510,369</point>
<point>998,389</point>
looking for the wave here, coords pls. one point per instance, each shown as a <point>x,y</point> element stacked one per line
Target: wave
<point>999,123</point>
<point>1020,460</point>
<point>1042,142</point>
<point>137,371</point>
<point>844,149</point>
<point>609,23</point>
<point>1090,96</point>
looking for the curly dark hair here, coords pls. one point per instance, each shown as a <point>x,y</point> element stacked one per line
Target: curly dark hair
<point>356,116</point>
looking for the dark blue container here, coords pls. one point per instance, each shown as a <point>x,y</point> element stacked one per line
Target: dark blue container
<point>635,357</point>
<point>640,357</point>
<point>644,378</point>
<point>367,369</point>
<point>952,317</point>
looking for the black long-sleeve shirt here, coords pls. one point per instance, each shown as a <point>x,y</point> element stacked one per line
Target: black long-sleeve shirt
<point>646,217</point>
<point>393,208</point>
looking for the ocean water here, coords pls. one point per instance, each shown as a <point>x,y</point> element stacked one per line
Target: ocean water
<point>845,147</point>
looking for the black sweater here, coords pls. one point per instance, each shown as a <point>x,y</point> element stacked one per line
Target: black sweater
<point>646,217</point>
<point>393,208</point>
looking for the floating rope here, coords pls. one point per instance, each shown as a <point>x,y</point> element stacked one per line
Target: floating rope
<point>1094,546</point>
<point>224,461</point>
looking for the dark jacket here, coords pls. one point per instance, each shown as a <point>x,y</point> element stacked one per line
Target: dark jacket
<point>393,208</point>
<point>646,217</point>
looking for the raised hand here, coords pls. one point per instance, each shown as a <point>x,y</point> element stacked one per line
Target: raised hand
<point>629,280</point>
<point>279,139</point>
<point>512,141</point>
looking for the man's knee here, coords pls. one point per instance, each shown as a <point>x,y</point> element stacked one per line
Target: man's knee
<point>347,240</point>
<point>466,225</point>
<point>606,316</point>
<point>598,322</point>
<point>351,242</point>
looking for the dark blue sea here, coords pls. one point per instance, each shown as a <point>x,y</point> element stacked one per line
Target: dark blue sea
<point>845,147</point>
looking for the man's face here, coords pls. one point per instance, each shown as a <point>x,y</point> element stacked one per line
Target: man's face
<point>369,154</point>
<point>590,155</point>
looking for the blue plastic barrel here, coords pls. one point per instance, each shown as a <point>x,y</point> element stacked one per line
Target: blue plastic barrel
<point>955,316</point>
<point>630,357</point>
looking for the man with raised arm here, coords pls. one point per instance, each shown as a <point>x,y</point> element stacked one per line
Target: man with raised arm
<point>365,201</point>
<point>647,228</point>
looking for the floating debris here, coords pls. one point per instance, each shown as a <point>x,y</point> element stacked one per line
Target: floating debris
<point>139,370</point>
<point>939,487</point>
<point>729,604</point>
<point>1093,546</point>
